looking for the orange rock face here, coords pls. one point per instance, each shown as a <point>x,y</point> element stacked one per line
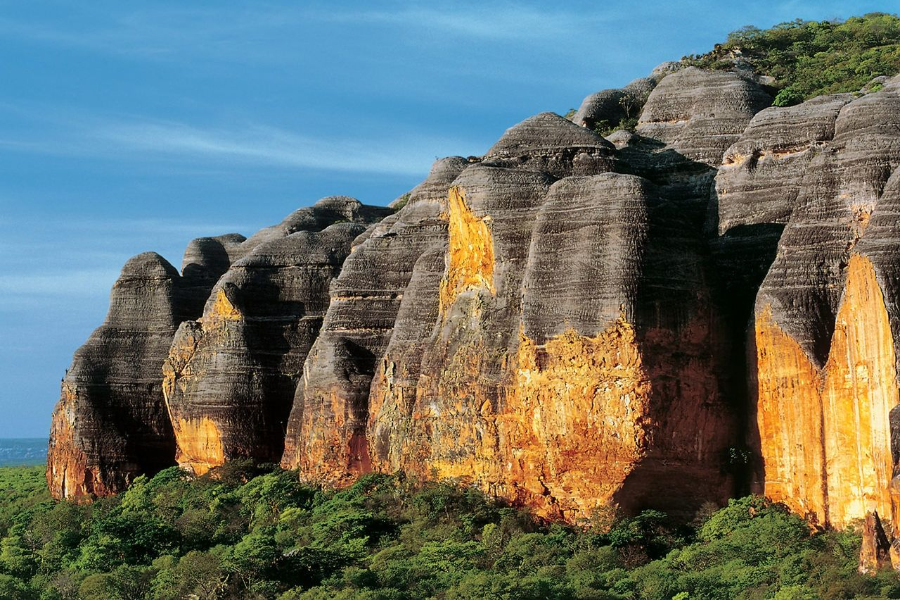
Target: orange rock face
<point>470,258</point>
<point>68,473</point>
<point>571,427</point>
<point>199,444</point>
<point>576,423</point>
<point>825,434</point>
<point>564,423</point>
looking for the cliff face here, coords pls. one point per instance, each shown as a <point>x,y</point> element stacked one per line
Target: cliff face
<point>110,424</point>
<point>825,371</point>
<point>567,322</point>
<point>151,386</point>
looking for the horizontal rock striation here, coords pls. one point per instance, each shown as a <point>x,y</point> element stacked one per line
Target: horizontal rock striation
<point>569,322</point>
<point>230,376</point>
<point>326,430</point>
<point>609,107</point>
<point>825,371</point>
<point>110,424</point>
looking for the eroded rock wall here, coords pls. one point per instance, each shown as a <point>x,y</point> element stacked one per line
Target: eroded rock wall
<point>567,322</point>
<point>230,376</point>
<point>110,424</point>
<point>823,361</point>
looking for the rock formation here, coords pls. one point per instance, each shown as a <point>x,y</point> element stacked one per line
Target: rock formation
<point>825,365</point>
<point>111,424</point>
<point>656,319</point>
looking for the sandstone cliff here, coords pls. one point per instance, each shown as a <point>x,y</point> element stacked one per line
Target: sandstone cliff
<point>659,318</point>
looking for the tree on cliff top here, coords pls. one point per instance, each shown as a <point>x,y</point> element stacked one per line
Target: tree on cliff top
<point>810,58</point>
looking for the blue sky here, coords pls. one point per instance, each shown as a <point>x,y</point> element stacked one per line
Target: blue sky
<point>127,127</point>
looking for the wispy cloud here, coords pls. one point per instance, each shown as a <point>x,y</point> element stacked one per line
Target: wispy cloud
<point>266,145</point>
<point>244,30</point>
<point>119,138</point>
<point>76,283</point>
<point>503,21</point>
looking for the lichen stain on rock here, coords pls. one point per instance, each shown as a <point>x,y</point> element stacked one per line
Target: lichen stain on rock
<point>575,422</point>
<point>222,309</point>
<point>470,255</point>
<point>199,444</point>
<point>825,435</point>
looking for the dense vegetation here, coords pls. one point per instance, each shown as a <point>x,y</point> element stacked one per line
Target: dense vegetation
<point>799,59</point>
<point>250,532</point>
<point>810,58</point>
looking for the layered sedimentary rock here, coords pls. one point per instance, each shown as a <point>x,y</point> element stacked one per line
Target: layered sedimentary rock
<point>614,105</point>
<point>326,431</point>
<point>110,424</point>
<point>230,376</point>
<point>537,285</point>
<point>823,347</point>
<point>700,113</point>
<point>567,322</point>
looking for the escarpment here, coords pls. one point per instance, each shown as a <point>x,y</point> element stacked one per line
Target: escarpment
<point>823,338</point>
<point>660,318</point>
<point>113,423</point>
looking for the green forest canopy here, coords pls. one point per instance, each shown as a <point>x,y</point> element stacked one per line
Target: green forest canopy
<point>259,533</point>
<point>811,58</point>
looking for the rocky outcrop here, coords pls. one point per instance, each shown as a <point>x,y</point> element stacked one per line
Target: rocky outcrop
<point>326,430</point>
<point>609,107</point>
<point>110,424</point>
<point>205,260</point>
<point>659,319</point>
<point>824,364</point>
<point>537,285</point>
<point>549,144</point>
<point>230,376</point>
<point>701,113</point>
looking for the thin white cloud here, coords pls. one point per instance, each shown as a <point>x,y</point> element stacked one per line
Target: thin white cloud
<point>227,32</point>
<point>74,283</point>
<point>268,145</point>
<point>496,21</point>
<point>77,134</point>
<point>274,147</point>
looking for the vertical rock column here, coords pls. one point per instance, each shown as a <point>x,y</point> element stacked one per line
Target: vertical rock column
<point>110,424</point>
<point>826,371</point>
<point>230,376</point>
<point>326,436</point>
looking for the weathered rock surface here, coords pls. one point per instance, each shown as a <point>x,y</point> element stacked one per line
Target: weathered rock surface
<point>110,424</point>
<point>550,144</point>
<point>229,378</point>
<point>326,431</point>
<point>701,113</point>
<point>567,322</point>
<point>614,105</point>
<point>823,354</point>
<point>535,286</point>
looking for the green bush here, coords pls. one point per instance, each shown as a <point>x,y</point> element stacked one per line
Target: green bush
<point>811,58</point>
<point>259,533</point>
